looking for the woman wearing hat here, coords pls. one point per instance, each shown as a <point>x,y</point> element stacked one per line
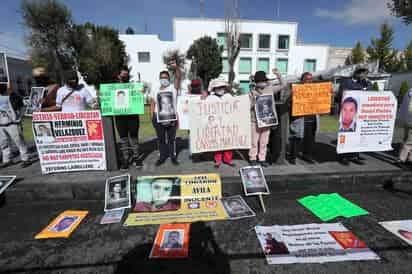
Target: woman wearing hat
<point>260,136</point>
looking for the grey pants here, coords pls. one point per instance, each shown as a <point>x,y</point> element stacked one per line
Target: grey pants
<point>12,133</point>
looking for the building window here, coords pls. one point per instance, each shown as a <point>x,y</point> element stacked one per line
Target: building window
<point>225,65</point>
<point>244,87</point>
<point>283,42</point>
<point>264,41</point>
<point>309,65</point>
<point>263,64</point>
<point>246,41</point>
<point>282,65</point>
<point>143,57</point>
<point>245,65</point>
<point>221,39</point>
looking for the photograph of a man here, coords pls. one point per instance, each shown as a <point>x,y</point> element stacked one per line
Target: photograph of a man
<point>44,132</point>
<point>166,108</point>
<point>121,99</point>
<point>266,115</point>
<point>158,194</point>
<point>118,193</point>
<point>172,239</point>
<point>35,100</point>
<point>273,246</point>
<point>254,182</point>
<point>64,224</point>
<point>236,207</point>
<point>348,115</point>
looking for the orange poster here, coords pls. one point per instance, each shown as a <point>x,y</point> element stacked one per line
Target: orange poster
<point>172,241</point>
<point>308,99</point>
<point>63,225</point>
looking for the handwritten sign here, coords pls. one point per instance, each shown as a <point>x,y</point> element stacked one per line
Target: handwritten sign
<point>309,99</point>
<point>121,99</point>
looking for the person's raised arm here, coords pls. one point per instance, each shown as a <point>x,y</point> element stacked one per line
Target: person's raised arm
<point>176,69</point>
<point>282,84</point>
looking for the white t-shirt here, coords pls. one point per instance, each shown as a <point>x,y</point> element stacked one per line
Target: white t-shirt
<point>155,90</point>
<point>77,101</point>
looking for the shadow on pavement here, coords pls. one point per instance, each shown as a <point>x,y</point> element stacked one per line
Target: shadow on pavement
<point>205,256</point>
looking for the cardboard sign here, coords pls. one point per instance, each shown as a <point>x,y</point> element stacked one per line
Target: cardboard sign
<point>172,241</point>
<point>218,124</point>
<point>69,141</point>
<point>35,101</point>
<point>177,199</point>
<point>4,70</point>
<point>310,99</point>
<point>63,225</point>
<point>402,229</point>
<point>265,109</point>
<point>121,99</point>
<point>117,194</point>
<point>183,110</point>
<point>366,121</point>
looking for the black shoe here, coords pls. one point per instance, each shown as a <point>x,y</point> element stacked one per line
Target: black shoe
<point>292,161</point>
<point>25,164</point>
<point>124,166</point>
<point>160,162</point>
<point>308,158</point>
<point>264,163</point>
<point>175,161</point>
<point>4,165</point>
<point>137,163</point>
<point>343,161</point>
<point>253,163</point>
<point>217,165</point>
<point>361,158</point>
<point>357,161</point>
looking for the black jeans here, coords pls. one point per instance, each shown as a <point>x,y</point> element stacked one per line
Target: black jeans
<point>309,137</point>
<point>166,136</point>
<point>128,125</point>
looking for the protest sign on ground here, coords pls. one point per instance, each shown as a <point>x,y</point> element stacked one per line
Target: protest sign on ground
<point>63,225</point>
<point>253,180</point>
<point>172,241</point>
<point>69,141</point>
<point>309,99</point>
<point>5,182</point>
<point>330,206</point>
<point>4,70</point>
<point>112,217</point>
<point>220,124</point>
<point>311,243</point>
<point>183,110</point>
<point>177,198</point>
<point>237,208</point>
<point>265,109</point>
<point>121,99</point>
<point>367,121</point>
<point>35,101</point>
<point>117,194</point>
<point>402,229</point>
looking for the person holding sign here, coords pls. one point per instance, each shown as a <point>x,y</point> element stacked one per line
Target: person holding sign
<point>127,127</point>
<point>42,79</point>
<point>303,129</point>
<point>360,82</point>
<point>260,135</point>
<point>405,116</point>
<point>164,99</point>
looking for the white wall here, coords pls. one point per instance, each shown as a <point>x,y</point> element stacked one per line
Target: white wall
<point>300,53</point>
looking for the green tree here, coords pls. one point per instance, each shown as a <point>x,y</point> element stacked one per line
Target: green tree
<point>98,52</point>
<point>376,86</point>
<point>402,9</point>
<point>407,55</point>
<point>357,55</point>
<point>381,50</point>
<point>403,91</point>
<point>206,57</point>
<point>49,22</point>
<point>130,30</point>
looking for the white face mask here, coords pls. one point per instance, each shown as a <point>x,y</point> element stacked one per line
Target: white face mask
<point>164,82</point>
<point>220,91</point>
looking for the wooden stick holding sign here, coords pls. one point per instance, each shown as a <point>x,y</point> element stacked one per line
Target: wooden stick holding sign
<point>254,183</point>
<point>262,203</point>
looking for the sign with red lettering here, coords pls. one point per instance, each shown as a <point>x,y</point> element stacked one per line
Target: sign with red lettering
<point>367,121</point>
<point>220,123</point>
<point>69,141</point>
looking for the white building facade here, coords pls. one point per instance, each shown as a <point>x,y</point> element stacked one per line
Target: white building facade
<point>264,45</point>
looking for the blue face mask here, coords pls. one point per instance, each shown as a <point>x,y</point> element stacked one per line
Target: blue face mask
<point>164,82</point>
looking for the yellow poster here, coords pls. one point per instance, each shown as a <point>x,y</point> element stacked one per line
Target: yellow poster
<point>63,225</point>
<point>177,199</point>
<point>309,99</point>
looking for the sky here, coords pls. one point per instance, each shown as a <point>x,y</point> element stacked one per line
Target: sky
<point>338,23</point>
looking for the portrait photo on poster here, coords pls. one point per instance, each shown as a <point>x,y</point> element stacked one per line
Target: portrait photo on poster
<point>4,70</point>
<point>44,132</point>
<point>121,99</point>
<point>166,111</point>
<point>64,223</point>
<point>158,194</point>
<point>237,208</point>
<point>172,239</point>
<point>253,181</point>
<point>5,182</point>
<point>117,194</point>
<point>265,110</point>
<point>35,100</point>
<point>348,114</point>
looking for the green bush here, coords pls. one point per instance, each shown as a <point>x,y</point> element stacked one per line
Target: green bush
<point>376,86</point>
<point>403,90</point>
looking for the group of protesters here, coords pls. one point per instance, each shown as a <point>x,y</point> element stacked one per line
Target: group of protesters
<point>72,97</point>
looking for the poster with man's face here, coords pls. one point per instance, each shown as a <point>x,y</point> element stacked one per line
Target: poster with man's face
<point>253,180</point>
<point>35,100</point>
<point>4,72</point>
<point>348,114</point>
<point>117,194</point>
<point>121,99</point>
<point>166,111</point>
<point>266,115</point>
<point>236,207</point>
